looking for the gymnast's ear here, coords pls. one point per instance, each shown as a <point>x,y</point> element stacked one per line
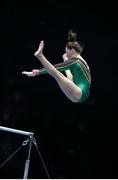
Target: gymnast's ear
<point>73,50</point>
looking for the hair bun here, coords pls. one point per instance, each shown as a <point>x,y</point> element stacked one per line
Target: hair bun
<point>72,36</point>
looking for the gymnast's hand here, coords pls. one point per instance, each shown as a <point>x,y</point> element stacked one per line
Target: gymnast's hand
<point>65,58</point>
<point>32,73</point>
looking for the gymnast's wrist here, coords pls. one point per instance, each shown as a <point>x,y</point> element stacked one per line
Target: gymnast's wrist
<point>35,71</point>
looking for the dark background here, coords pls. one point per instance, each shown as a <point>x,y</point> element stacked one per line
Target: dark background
<point>75,140</point>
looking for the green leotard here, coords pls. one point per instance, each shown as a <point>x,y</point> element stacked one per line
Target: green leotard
<point>81,74</point>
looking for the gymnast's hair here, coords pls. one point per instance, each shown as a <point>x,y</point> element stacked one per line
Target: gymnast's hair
<point>72,42</point>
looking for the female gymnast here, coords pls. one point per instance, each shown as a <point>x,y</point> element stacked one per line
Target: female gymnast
<point>76,84</point>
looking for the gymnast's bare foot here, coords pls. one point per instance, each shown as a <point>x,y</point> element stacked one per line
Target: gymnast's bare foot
<point>39,52</point>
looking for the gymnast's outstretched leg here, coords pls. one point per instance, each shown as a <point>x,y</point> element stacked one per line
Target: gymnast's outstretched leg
<point>72,91</point>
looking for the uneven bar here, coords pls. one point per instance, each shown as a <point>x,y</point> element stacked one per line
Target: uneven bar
<point>16,131</point>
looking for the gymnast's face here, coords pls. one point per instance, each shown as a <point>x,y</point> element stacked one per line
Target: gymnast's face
<point>69,52</point>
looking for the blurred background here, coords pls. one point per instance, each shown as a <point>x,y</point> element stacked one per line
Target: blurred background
<point>75,140</point>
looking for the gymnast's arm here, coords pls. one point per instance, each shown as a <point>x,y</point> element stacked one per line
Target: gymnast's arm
<point>60,66</point>
<point>67,72</point>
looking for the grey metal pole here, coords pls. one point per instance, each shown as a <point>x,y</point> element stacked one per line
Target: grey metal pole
<point>27,162</point>
<point>16,131</point>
